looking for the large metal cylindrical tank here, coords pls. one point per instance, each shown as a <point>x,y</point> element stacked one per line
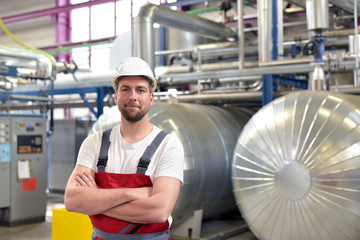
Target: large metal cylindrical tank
<point>296,168</point>
<point>208,135</point>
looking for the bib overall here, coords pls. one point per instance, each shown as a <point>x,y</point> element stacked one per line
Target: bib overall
<point>108,228</point>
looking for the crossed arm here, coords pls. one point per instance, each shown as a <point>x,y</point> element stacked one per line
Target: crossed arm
<point>139,205</point>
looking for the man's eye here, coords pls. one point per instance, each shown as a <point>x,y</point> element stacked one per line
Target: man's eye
<point>123,90</point>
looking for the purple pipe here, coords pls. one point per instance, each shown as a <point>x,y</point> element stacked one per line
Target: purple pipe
<point>51,11</point>
<point>63,28</point>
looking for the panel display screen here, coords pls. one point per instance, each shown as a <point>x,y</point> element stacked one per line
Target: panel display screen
<point>29,144</point>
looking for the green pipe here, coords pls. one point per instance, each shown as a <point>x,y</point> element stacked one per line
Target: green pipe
<point>65,49</point>
<point>210,9</point>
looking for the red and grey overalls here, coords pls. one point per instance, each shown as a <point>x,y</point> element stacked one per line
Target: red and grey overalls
<point>108,228</point>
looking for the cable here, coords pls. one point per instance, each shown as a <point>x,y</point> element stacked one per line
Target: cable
<point>52,59</point>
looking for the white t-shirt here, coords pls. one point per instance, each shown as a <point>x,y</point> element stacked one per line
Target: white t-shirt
<point>168,159</point>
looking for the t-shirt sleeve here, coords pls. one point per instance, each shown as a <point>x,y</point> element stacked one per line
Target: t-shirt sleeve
<point>89,151</point>
<point>171,163</point>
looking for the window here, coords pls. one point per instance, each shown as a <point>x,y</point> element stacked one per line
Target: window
<point>81,57</point>
<point>123,17</point>
<point>100,21</point>
<point>80,25</point>
<point>92,23</point>
<point>100,57</point>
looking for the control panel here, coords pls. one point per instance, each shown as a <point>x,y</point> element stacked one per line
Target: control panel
<point>23,169</point>
<point>5,160</point>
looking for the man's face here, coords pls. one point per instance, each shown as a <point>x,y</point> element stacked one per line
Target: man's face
<point>133,98</point>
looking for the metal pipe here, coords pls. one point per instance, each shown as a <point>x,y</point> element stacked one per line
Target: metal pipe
<point>164,70</point>
<point>143,39</point>
<point>317,15</point>
<point>24,97</point>
<point>347,5</point>
<point>264,32</point>
<point>243,96</point>
<point>151,13</point>
<point>356,38</point>
<point>186,22</point>
<point>43,64</point>
<point>280,27</point>
<point>194,76</point>
<point>212,49</point>
<point>318,81</point>
<point>287,61</point>
<point>238,79</point>
<point>240,9</point>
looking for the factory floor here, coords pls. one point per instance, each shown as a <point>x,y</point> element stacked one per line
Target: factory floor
<point>42,231</point>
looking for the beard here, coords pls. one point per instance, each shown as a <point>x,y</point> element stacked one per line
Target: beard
<point>131,117</point>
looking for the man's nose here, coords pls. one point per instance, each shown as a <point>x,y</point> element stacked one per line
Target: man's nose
<point>133,94</point>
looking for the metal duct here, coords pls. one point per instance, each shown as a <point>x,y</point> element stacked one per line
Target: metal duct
<point>26,59</point>
<point>347,5</point>
<point>296,168</point>
<point>186,22</point>
<point>264,30</point>
<point>151,13</point>
<point>317,14</point>
<point>208,135</point>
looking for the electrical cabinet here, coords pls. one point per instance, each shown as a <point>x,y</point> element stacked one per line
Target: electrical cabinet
<point>23,170</point>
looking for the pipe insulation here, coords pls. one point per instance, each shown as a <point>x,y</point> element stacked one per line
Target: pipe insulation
<point>149,14</point>
<point>186,22</point>
<point>296,168</point>
<point>347,5</point>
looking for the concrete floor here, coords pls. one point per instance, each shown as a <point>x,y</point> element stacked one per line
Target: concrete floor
<point>211,230</point>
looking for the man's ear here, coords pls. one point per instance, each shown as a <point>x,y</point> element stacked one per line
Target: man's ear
<point>151,99</point>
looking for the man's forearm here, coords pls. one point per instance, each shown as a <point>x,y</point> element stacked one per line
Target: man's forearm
<point>154,209</point>
<point>82,194</point>
<point>142,211</point>
<point>92,201</point>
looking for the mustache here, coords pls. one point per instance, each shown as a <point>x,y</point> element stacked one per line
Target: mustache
<point>132,105</point>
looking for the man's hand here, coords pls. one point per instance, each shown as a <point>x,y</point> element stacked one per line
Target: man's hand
<point>84,179</point>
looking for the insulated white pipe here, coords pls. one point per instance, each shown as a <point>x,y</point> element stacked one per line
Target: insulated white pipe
<point>280,26</point>
<point>264,29</point>
<point>151,13</point>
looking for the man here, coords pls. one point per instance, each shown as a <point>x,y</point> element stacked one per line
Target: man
<point>127,198</point>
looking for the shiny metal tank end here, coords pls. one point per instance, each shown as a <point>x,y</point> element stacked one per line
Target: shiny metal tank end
<point>296,168</point>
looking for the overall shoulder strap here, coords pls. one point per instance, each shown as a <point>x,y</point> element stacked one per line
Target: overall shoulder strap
<point>149,152</point>
<point>103,157</point>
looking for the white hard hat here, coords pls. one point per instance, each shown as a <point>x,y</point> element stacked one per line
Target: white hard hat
<point>134,66</point>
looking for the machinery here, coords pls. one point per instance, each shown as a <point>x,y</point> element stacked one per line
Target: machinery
<point>23,137</point>
<point>295,168</point>
<point>23,169</point>
<point>297,175</point>
<point>208,138</point>
<point>63,147</point>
